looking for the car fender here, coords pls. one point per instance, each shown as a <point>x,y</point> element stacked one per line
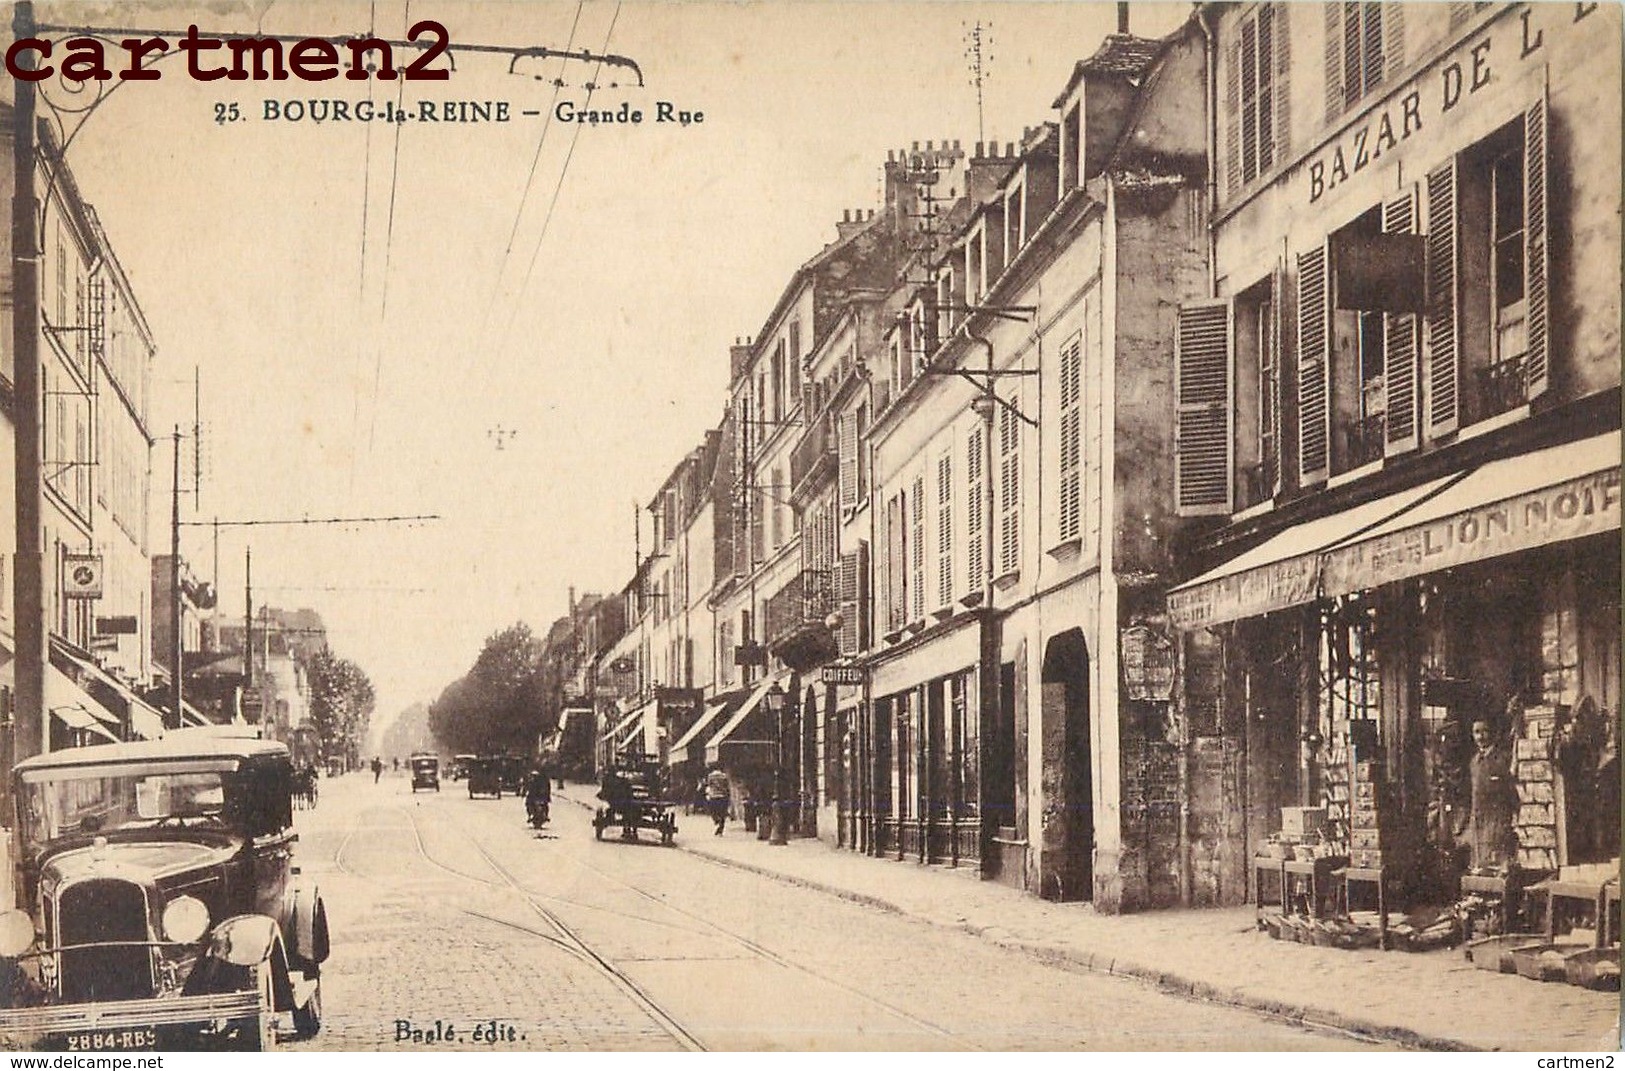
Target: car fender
<point>309,928</point>
<point>237,951</point>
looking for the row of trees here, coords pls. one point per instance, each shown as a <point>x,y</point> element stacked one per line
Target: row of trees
<point>341,704</point>
<point>504,702</point>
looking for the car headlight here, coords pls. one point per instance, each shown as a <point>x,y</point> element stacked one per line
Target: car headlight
<point>186,920</point>
<point>16,933</point>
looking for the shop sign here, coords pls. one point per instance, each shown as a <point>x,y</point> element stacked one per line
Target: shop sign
<point>1569,510</point>
<point>117,626</point>
<point>1428,105</point>
<point>852,675</point>
<point>1148,663</point>
<point>678,701</point>
<point>82,576</point>
<point>1246,594</point>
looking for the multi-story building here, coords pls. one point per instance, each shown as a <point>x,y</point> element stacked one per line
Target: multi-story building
<point>1400,407</point>
<point>95,350</point>
<point>1021,524</point>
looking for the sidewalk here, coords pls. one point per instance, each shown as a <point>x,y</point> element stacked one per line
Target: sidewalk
<point>1434,1000</point>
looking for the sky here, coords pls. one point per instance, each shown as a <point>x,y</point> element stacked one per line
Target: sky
<point>518,328</point>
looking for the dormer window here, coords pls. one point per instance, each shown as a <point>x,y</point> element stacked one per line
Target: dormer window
<point>1071,146</point>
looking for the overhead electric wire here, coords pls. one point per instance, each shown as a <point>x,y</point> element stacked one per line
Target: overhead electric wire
<point>524,196</point>
<point>558,187</point>
<point>389,246</point>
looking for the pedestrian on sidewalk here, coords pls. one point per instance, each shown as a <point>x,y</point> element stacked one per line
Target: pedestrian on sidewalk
<point>377,769</point>
<point>716,797</point>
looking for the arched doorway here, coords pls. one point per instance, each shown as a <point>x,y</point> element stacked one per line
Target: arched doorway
<point>1067,859</point>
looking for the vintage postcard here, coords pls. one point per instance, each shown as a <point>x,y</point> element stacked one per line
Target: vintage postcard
<point>645,526</point>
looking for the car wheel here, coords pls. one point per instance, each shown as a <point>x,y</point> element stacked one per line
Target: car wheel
<point>307,1018</point>
<point>257,1033</point>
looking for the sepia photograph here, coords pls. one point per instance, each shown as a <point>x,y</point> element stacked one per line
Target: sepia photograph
<point>657,526</point>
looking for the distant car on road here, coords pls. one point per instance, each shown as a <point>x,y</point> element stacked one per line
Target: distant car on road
<point>460,765</point>
<point>425,771</point>
<point>160,904</point>
<point>485,777</point>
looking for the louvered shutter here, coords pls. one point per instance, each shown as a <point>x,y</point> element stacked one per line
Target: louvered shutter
<point>863,595</point>
<point>1270,370</point>
<point>1334,61</point>
<point>1009,491</point>
<point>916,573</point>
<point>1232,108</point>
<point>1393,33</point>
<point>975,509</point>
<point>1282,34</point>
<point>1314,349</point>
<point>1071,437</point>
<point>896,607</point>
<point>1537,362</point>
<point>847,597</point>
<point>1401,345</point>
<point>945,530</point>
<point>1203,436</point>
<point>1443,385</point>
<point>847,450</point>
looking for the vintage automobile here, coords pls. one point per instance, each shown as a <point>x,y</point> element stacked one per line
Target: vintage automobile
<point>485,777</point>
<point>425,771</point>
<point>632,801</point>
<point>160,904</point>
<point>512,771</point>
<point>460,765</point>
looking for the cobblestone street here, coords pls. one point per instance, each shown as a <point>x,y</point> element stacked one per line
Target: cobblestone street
<point>451,911</point>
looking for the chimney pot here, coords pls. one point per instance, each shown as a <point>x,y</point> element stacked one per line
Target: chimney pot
<point>916,146</point>
<point>979,148</point>
<point>930,147</point>
<point>956,145</point>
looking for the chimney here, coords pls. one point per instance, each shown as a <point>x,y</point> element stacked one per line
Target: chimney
<point>738,358</point>
<point>1122,17</point>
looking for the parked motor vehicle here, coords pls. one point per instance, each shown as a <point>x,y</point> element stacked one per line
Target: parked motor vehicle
<point>160,907</point>
<point>485,777</point>
<point>425,771</point>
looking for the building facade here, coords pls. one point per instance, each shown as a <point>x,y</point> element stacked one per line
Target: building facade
<point>1400,409</point>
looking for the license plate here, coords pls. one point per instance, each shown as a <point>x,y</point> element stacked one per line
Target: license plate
<point>103,1040</point>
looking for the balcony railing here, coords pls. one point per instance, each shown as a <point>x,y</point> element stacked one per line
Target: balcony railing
<point>1365,440</point>
<point>1502,387</point>
<point>806,600</point>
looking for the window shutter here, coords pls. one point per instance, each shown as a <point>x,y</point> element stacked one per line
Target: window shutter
<point>1537,363</point>
<point>847,449</point>
<point>916,574</point>
<point>1393,45</point>
<point>1443,385</point>
<point>1401,344</point>
<point>945,530</point>
<point>847,596</point>
<point>896,607</point>
<point>1270,369</point>
<point>1071,436</point>
<point>1203,437</point>
<point>975,507</point>
<point>1314,346</point>
<point>1282,36</point>
<point>1009,491</point>
<point>1232,108</point>
<point>1334,62</point>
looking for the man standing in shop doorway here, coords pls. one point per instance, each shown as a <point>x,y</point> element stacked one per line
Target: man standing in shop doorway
<point>1490,838</point>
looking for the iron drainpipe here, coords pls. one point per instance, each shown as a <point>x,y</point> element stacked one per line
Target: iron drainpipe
<point>988,677</point>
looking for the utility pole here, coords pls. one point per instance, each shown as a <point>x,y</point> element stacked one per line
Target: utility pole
<point>29,727</point>
<point>248,618</point>
<point>177,643</point>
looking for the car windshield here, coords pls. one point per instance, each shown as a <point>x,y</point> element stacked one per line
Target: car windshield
<point>95,801</point>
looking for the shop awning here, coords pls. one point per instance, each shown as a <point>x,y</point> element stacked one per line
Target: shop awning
<point>708,717</point>
<point>620,727</point>
<point>1502,507</point>
<point>713,746</point>
<point>145,719</point>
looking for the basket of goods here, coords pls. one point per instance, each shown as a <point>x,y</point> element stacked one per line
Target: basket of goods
<point>1545,962</point>
<point>1495,953</point>
<point>1594,968</point>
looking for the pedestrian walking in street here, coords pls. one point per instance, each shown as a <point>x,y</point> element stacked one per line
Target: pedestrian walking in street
<point>377,769</point>
<point>716,797</point>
